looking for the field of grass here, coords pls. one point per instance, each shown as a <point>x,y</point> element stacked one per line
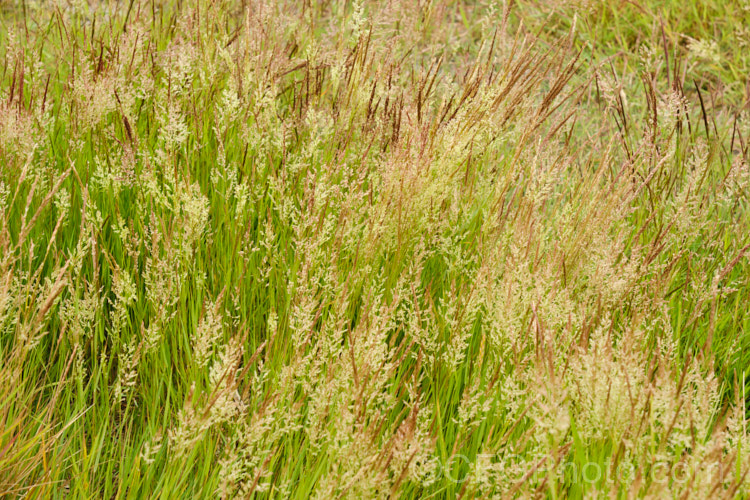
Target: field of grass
<point>374,249</point>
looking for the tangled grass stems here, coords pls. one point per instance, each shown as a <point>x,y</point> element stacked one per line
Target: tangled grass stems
<point>371,249</point>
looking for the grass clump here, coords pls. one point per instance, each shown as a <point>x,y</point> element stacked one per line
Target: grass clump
<point>367,249</point>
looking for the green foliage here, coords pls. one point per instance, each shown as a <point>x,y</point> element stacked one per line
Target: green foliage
<point>367,249</point>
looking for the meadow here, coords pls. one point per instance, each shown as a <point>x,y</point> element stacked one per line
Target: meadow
<point>374,249</point>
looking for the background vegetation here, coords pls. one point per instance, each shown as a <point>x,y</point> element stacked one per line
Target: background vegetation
<point>419,249</point>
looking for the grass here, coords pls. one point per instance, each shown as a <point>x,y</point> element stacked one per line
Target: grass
<point>374,249</point>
